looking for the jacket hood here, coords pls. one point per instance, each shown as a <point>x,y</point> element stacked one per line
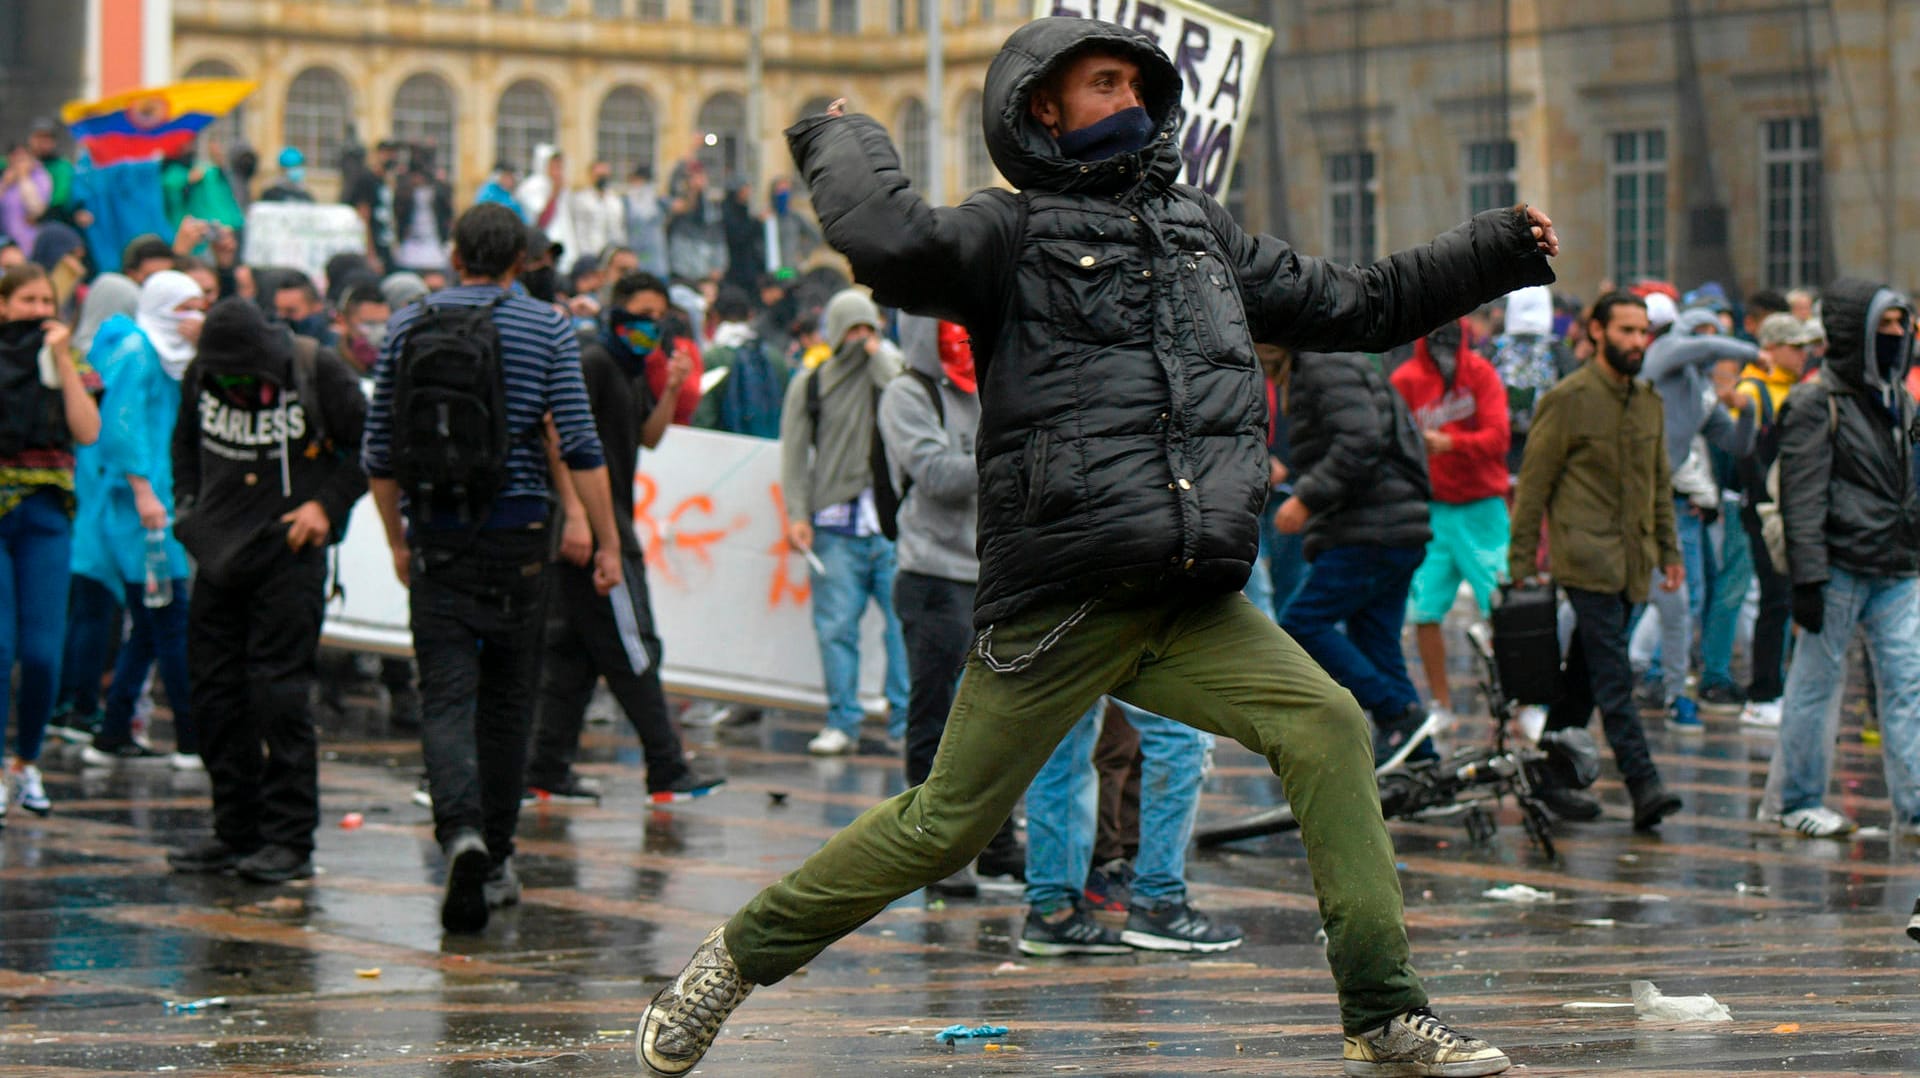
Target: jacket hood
<point>1692,319</point>
<point>1025,153</point>
<point>1851,308</point>
<point>1530,311</point>
<point>111,294</point>
<point>920,343</point>
<point>849,309</point>
<point>237,339</point>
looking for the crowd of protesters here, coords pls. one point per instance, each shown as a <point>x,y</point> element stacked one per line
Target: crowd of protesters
<point>1712,484</point>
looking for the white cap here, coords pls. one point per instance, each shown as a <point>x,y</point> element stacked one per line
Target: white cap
<point>1661,310</point>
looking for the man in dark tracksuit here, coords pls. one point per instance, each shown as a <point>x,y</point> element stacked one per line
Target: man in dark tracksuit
<point>266,464</point>
<point>589,635</point>
<point>1123,463</point>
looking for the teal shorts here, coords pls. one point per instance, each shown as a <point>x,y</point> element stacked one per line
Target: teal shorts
<point>1469,544</point>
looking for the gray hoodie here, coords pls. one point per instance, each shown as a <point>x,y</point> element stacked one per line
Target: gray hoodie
<point>939,517</point>
<point>1676,365</point>
<point>837,466</point>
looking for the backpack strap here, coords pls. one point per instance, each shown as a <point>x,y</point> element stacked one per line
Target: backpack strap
<point>306,383</point>
<point>933,390</point>
<point>813,406</point>
<point>1765,399</point>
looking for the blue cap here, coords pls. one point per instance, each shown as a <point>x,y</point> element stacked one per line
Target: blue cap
<point>291,157</point>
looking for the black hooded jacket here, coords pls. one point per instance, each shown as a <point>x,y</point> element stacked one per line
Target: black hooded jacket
<point>1124,424</point>
<point>1847,493</point>
<point>1358,460</point>
<point>243,457</point>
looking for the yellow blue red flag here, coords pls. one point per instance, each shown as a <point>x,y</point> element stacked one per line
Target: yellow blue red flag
<point>161,121</point>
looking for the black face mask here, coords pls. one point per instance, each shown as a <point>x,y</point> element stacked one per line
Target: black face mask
<point>1890,352</point>
<point>541,283</point>
<point>1627,363</point>
<point>1123,132</point>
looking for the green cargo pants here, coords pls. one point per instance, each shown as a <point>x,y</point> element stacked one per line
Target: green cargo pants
<point>1213,662</point>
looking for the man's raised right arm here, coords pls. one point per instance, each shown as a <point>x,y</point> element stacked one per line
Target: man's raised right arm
<point>943,262</point>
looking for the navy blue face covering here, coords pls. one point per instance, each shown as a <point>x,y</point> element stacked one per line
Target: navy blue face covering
<point>1123,132</point>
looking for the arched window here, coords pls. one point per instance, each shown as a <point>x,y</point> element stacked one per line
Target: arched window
<point>319,106</point>
<point>624,136</point>
<point>526,118</point>
<point>723,127</point>
<point>976,165</point>
<point>232,127</point>
<point>912,135</point>
<point>423,116</point>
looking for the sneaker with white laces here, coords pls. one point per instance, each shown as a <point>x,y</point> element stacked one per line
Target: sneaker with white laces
<point>1765,715</point>
<point>1417,1043</point>
<point>831,741</point>
<point>186,761</point>
<point>1913,922</point>
<point>1818,822</point>
<point>679,1025</point>
<point>30,791</point>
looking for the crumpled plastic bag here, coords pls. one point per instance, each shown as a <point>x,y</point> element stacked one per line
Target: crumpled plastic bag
<point>1652,1006</point>
<point>1518,893</point>
<point>960,1032</point>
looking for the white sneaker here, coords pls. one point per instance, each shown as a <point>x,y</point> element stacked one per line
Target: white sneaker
<point>1818,822</point>
<point>1533,721</point>
<point>831,741</point>
<point>1765,715</point>
<point>186,761</point>
<point>30,791</point>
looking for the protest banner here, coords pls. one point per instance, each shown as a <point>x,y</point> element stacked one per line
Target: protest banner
<point>1218,57</point>
<point>731,602</point>
<point>302,235</point>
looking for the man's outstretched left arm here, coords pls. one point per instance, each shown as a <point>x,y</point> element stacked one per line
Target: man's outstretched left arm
<point>1311,304</point>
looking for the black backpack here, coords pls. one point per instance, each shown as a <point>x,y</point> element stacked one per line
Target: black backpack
<point>886,500</point>
<point>31,415</point>
<point>450,440</point>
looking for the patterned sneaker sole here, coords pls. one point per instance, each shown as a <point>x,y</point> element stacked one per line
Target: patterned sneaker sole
<point>1461,1069</point>
<point>1147,941</point>
<point>668,797</point>
<point>1052,949</point>
<point>1913,928</point>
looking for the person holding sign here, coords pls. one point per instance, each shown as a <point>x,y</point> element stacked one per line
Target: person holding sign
<point>1122,459</point>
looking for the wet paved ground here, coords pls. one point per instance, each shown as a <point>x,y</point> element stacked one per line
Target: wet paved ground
<point>349,974</point>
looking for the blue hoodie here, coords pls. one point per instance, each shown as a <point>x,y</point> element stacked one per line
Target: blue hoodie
<point>137,414</point>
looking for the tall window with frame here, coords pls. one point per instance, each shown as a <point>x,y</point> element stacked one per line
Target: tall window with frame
<point>319,107</point>
<point>1491,181</point>
<point>1351,195</point>
<point>1790,201</point>
<point>1637,204</point>
<point>843,16</point>
<point>803,15</point>
<point>526,117</point>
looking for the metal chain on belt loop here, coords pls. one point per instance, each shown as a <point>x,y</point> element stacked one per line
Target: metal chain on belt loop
<point>1015,666</point>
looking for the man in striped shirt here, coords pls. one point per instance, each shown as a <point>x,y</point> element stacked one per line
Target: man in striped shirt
<point>475,594</point>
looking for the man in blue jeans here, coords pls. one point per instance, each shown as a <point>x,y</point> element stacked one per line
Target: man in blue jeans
<point>1852,523</point>
<point>1360,493</point>
<point>1060,831</point>
<point>826,478</point>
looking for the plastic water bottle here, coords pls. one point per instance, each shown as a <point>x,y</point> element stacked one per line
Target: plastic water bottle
<point>159,579</point>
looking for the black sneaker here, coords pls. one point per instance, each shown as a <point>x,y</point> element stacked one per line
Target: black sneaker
<point>503,885</point>
<point>1650,696</point>
<point>1913,923</point>
<point>1110,887</point>
<point>1391,734</point>
<point>1569,804</point>
<point>1078,933</point>
<point>1003,858</point>
<point>275,864</point>
<point>209,856</point>
<point>1177,926</point>
<point>1651,804</point>
<point>572,790</point>
<point>1722,698</point>
<point>105,753</point>
<point>961,884</point>
<point>463,908</point>
<point>686,788</point>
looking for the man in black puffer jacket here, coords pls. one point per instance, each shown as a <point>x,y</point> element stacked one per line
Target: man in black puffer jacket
<point>1852,522</point>
<point>1122,463</point>
<point>1360,491</point>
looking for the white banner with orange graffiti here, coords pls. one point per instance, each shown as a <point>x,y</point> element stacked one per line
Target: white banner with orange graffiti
<point>729,598</point>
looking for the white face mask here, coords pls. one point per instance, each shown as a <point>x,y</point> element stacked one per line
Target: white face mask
<point>374,333</point>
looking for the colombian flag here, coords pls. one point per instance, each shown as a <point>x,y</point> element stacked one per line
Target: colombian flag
<point>144,123</point>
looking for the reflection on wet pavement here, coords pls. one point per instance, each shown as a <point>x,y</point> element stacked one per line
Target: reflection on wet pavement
<point>349,973</point>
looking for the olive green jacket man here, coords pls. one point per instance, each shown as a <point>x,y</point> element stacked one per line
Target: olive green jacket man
<point>1596,466</point>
